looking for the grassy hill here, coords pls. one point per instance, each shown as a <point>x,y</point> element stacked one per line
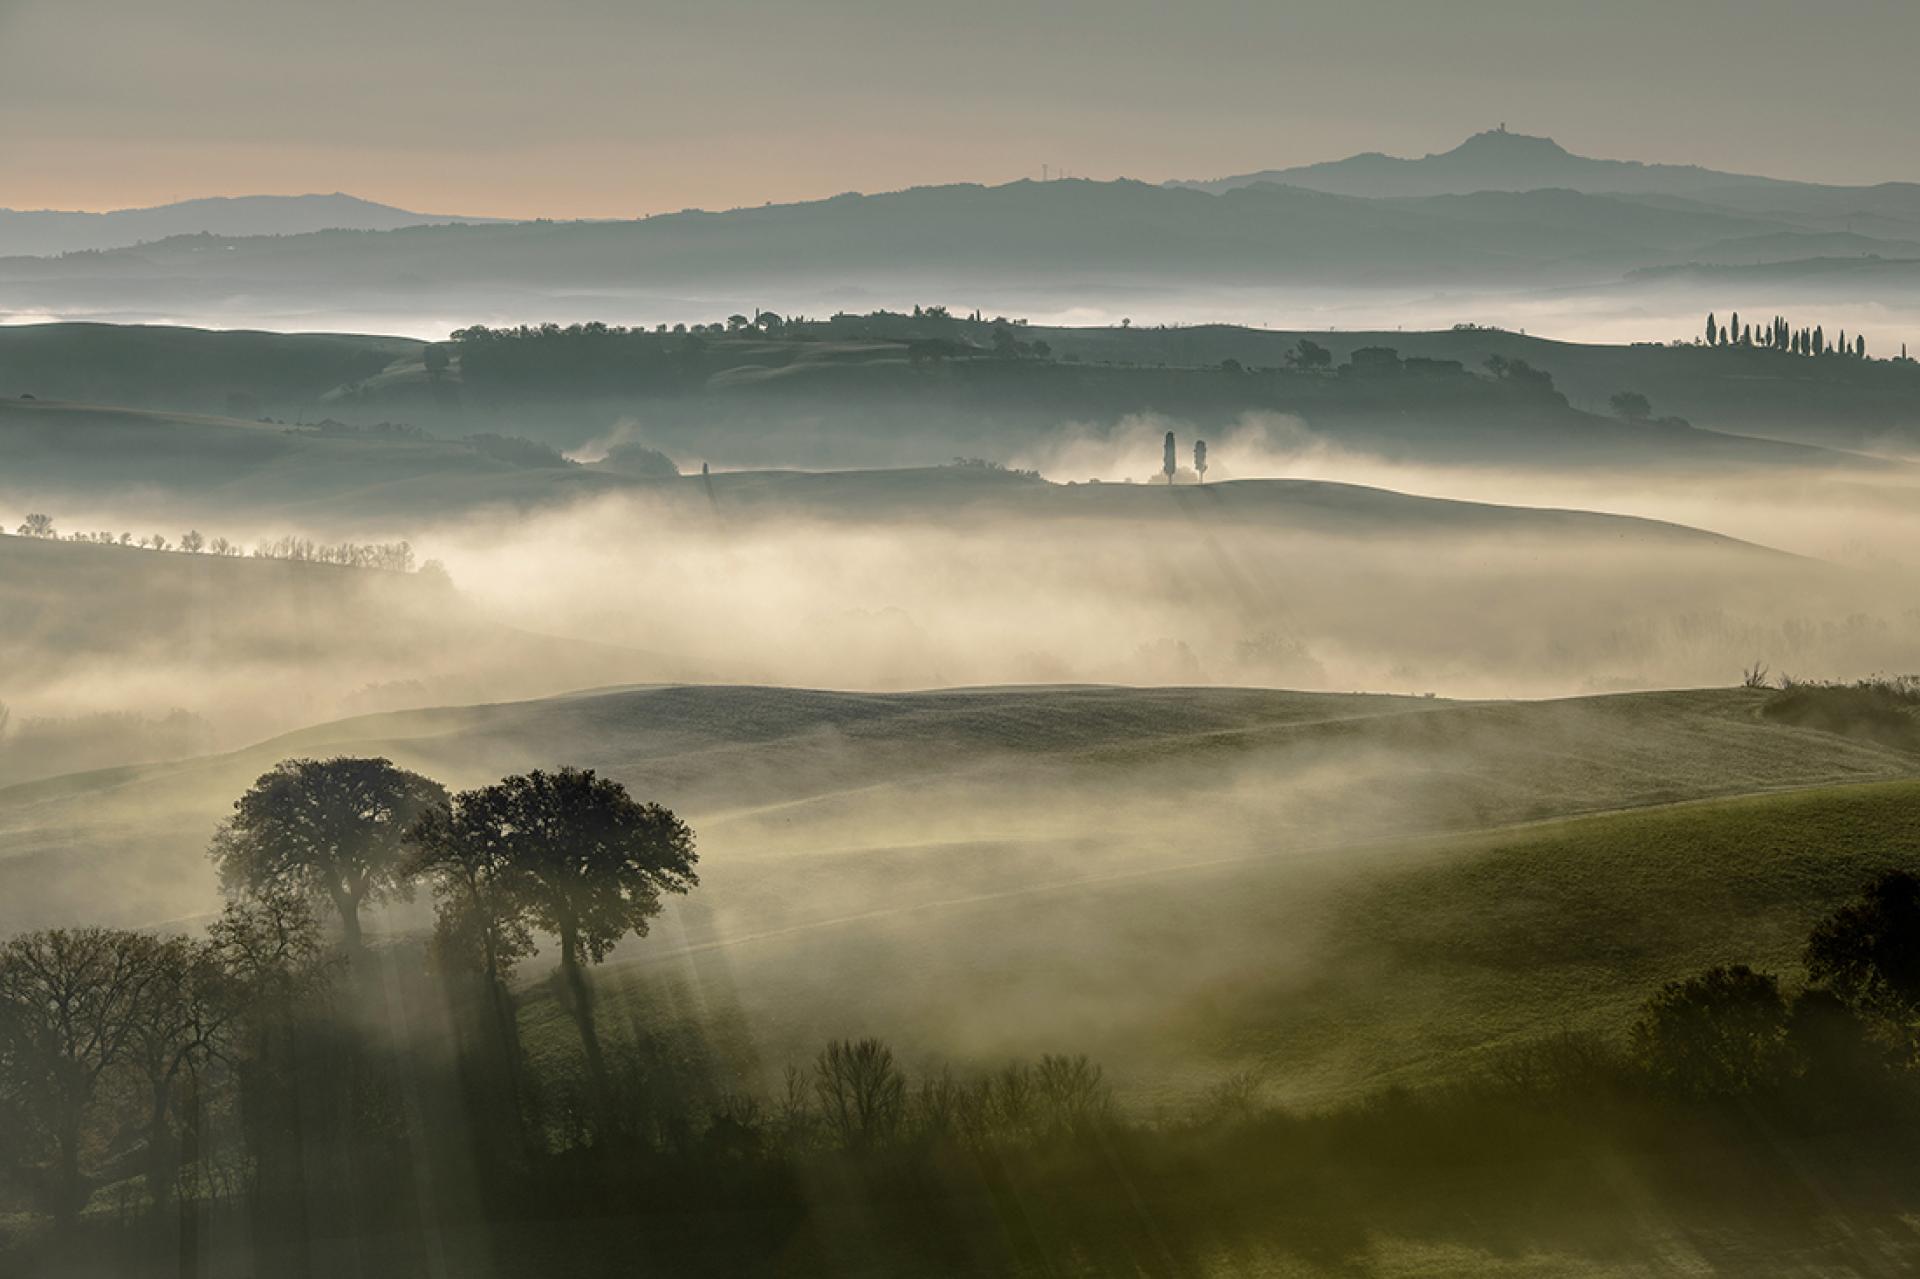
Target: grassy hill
<point>1320,864</point>
<point>864,390</point>
<point>366,482</point>
<point>188,370</point>
<point>325,478</point>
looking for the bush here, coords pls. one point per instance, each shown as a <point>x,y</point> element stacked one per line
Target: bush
<point>1720,1034</point>
<point>1883,709</point>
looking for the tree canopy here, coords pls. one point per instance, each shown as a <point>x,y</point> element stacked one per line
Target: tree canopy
<point>332,829</point>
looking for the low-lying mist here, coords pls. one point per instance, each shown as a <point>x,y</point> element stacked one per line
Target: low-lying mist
<point>968,576</point>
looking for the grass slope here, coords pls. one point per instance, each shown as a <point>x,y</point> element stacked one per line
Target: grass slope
<point>1183,881</point>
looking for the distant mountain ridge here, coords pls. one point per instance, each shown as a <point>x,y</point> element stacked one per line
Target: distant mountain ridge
<point>1500,211</point>
<point>1495,160</point>
<point>45,232</point>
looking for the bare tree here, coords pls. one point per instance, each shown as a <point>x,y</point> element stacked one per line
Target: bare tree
<point>68,1006</point>
<point>863,1094</point>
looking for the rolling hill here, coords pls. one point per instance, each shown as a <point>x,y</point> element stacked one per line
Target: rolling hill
<point>382,481</point>
<point>48,232</point>
<point>854,391</point>
<point>1374,884</point>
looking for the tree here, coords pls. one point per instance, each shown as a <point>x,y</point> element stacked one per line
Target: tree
<point>482,922</point>
<point>177,1024</point>
<point>68,1002</point>
<point>331,829</point>
<point>1200,459</point>
<point>36,525</point>
<point>191,542</point>
<point>1631,405</point>
<point>1308,354</point>
<point>1868,952</point>
<point>437,361</point>
<point>1720,1034</point>
<point>1713,329</point>
<point>1169,458</point>
<point>863,1094</point>
<point>578,858</point>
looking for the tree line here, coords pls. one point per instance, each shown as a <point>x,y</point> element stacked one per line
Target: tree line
<point>394,557</point>
<point>1779,334</point>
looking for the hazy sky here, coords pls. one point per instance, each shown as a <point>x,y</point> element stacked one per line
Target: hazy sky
<point>604,107</point>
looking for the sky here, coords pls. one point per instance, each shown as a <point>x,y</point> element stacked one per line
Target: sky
<point>611,108</point>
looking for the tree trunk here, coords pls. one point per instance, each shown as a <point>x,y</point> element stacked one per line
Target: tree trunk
<point>162,1163</point>
<point>188,1234</point>
<point>350,935</point>
<point>67,1199</point>
<point>580,1004</point>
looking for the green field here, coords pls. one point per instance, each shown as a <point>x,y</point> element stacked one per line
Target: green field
<point>1337,891</point>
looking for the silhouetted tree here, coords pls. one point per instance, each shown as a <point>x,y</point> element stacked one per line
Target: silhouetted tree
<point>581,860</point>
<point>178,1024</point>
<point>36,525</point>
<point>1308,354</point>
<point>483,922</point>
<point>68,1003</point>
<point>1200,459</point>
<point>863,1094</point>
<point>1169,459</point>
<point>1631,405</point>
<point>332,829</point>
<point>191,542</point>
<point>1868,952</point>
<point>1721,1034</point>
<point>1713,329</point>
